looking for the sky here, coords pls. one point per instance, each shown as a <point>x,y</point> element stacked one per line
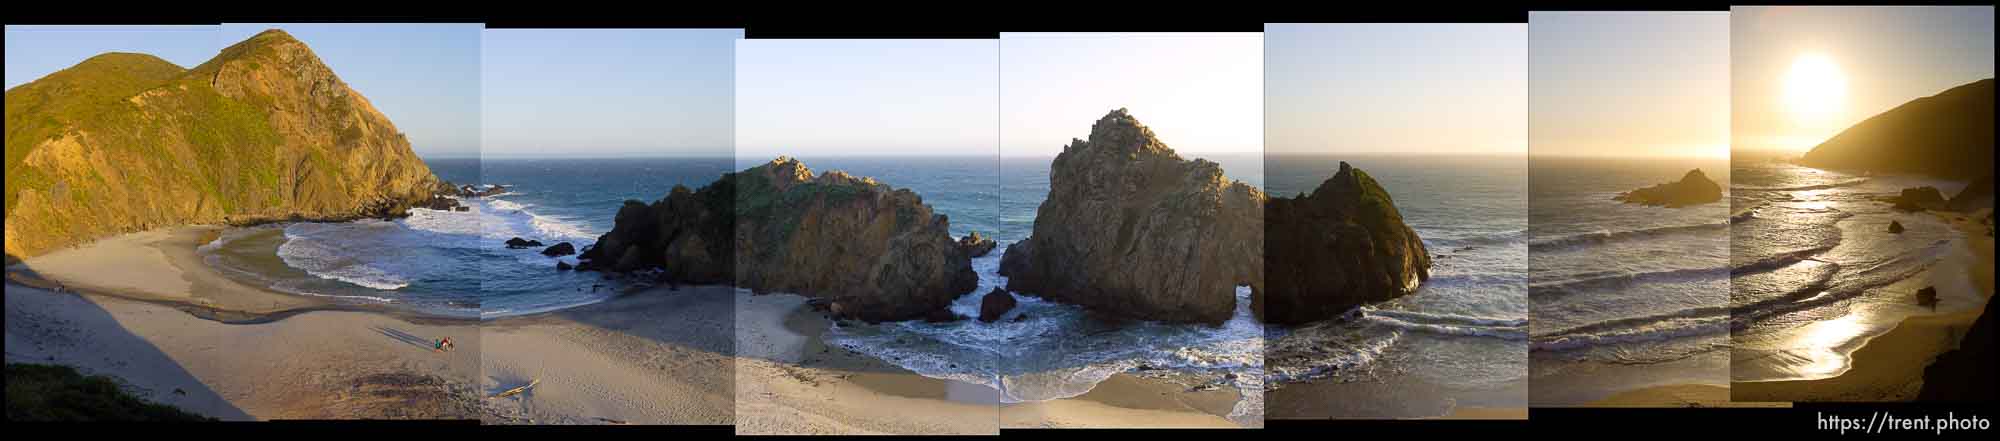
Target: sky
<point>1200,93</point>
<point>822,98</point>
<point>1450,88</point>
<point>608,92</point>
<point>1885,56</point>
<point>36,51</point>
<point>424,77</point>
<point>1629,84</point>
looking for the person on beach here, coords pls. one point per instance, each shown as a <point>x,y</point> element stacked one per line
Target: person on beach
<point>443,344</point>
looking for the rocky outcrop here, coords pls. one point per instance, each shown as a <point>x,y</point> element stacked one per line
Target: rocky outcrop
<point>688,234</point>
<point>1895,227</point>
<point>1965,374</point>
<point>560,249</point>
<point>519,243</point>
<point>1342,246</point>
<point>1920,198</point>
<point>1976,195</point>
<point>975,246</point>
<point>1948,135</point>
<point>875,253</point>
<point>1694,188</point>
<point>1131,229</point>
<point>262,132</point>
<point>995,304</point>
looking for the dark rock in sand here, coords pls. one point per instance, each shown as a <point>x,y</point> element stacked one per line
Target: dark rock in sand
<point>560,249</point>
<point>1131,229</point>
<point>1927,296</point>
<point>519,243</point>
<point>1920,198</point>
<point>1948,135</point>
<point>1342,246</point>
<point>1694,188</point>
<point>995,304</point>
<point>976,246</point>
<point>1895,227</point>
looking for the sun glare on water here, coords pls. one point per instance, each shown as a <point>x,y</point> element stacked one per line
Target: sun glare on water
<point>1815,91</point>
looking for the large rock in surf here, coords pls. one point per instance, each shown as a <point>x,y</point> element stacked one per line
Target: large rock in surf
<point>976,246</point>
<point>1341,246</point>
<point>1948,135</point>
<point>262,132</point>
<point>1133,230</point>
<point>1694,188</point>
<point>878,253</point>
<point>1976,195</point>
<point>1920,198</point>
<point>560,249</point>
<point>995,304</point>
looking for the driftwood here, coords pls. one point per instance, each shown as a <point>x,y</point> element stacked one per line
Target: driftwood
<point>512,392</point>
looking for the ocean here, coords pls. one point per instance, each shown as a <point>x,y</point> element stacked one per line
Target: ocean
<point>1465,329</point>
<point>1815,272</point>
<point>455,263</point>
<point>1623,296</point>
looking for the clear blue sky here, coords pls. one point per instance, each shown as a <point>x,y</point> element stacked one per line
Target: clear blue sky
<point>1628,84</point>
<point>820,98</point>
<point>36,51</point>
<point>425,77</point>
<point>1887,55</point>
<point>609,92</point>
<point>1200,93</point>
<point>1424,88</point>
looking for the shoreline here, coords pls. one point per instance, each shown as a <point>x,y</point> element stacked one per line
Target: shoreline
<point>1890,366</point>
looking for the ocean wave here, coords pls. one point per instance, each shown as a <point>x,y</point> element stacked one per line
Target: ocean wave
<point>1747,213</point>
<point>1780,260</point>
<point>1448,324</point>
<point>1497,238</point>
<point>1838,184</point>
<point>1301,357</point>
<point>1604,237</point>
<point>1660,327</point>
<point>1621,279</point>
<point>329,259</point>
<point>1847,283</point>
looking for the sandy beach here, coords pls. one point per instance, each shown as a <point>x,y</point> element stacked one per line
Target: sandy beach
<point>1890,367</point>
<point>1401,398</point>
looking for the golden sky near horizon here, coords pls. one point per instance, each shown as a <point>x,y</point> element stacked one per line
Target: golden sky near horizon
<point>1628,84</point>
<point>1801,74</point>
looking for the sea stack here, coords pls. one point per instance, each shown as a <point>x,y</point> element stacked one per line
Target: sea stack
<point>876,253</point>
<point>1342,246</point>
<point>1694,188</point>
<point>1132,230</point>
<point>264,131</point>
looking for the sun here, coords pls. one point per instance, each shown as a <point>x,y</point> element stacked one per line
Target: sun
<point>1815,90</point>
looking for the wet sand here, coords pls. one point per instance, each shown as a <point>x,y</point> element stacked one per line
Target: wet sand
<point>1890,367</point>
<point>1400,398</point>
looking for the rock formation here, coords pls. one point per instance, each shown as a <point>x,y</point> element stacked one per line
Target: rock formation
<point>976,246</point>
<point>875,252</point>
<point>1341,246</point>
<point>1131,229</point>
<point>995,304</point>
<point>1948,135</point>
<point>560,249</point>
<point>262,132</point>
<point>1976,195</point>
<point>519,243</point>
<point>1920,198</point>
<point>1694,188</point>
<point>1895,227</point>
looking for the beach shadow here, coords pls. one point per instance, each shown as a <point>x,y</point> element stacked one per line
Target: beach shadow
<point>153,375</point>
<point>405,337</point>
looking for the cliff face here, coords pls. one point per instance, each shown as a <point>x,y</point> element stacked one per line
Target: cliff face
<point>878,253</point>
<point>264,131</point>
<point>1694,188</point>
<point>1340,247</point>
<point>1948,135</point>
<point>1131,229</point>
